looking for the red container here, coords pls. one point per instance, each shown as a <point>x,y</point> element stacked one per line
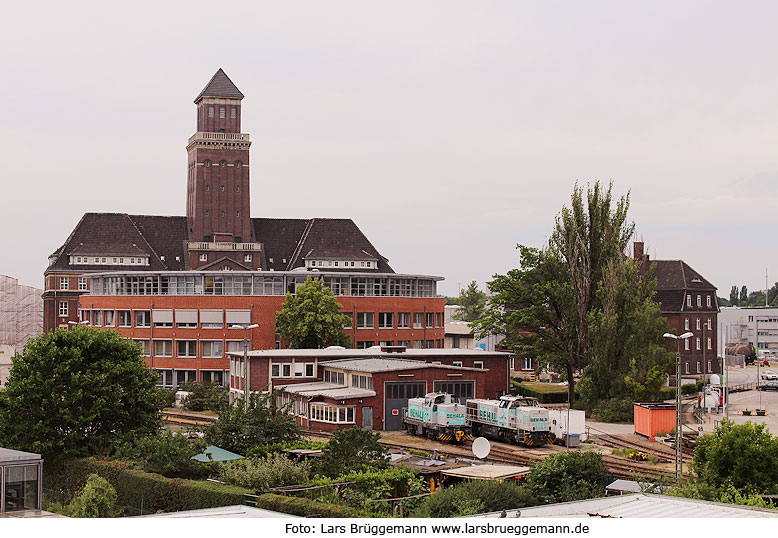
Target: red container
<point>652,418</point>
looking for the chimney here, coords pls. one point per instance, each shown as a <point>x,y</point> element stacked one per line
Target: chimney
<point>638,250</point>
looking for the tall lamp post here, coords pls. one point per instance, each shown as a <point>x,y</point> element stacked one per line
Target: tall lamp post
<point>246,386</point>
<point>76,323</point>
<point>678,432</point>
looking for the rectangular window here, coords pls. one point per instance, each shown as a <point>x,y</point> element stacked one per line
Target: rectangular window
<point>64,283</point>
<point>686,367</point>
<point>233,112</point>
<point>698,324</point>
<point>698,367</point>
<point>143,318</point>
<point>688,300</point>
<point>186,319</point>
<point>710,324</point>
<point>125,319</point>
<point>163,348</point>
<point>299,369</point>
<point>165,378</point>
<point>286,369</point>
<point>187,348</point>
<point>235,346</point>
<point>686,324</point>
<point>97,318</point>
<point>478,364</point>
<point>418,344</point>
<point>526,363</point>
<point>185,376</point>
<point>215,377</point>
<point>222,113</point>
<point>212,319</point>
<point>438,318</point>
<point>710,343</point>
<point>365,320</point>
<point>430,344</point>
<point>686,344</point>
<point>418,320</point>
<point>457,363</point>
<point>82,283</point>
<point>697,343</point>
<point>708,299</point>
<point>364,344</point>
<point>309,369</point>
<point>275,370</point>
<point>109,318</point>
<point>386,320</point>
<point>145,347</point>
<point>213,349</point>
<point>210,112</point>
<point>63,308</point>
<point>350,323</point>
<point>699,300</point>
<point>404,343</point>
<point>430,320</point>
<point>403,320</point>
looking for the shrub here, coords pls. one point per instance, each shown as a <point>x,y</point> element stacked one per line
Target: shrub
<point>261,474</point>
<point>305,507</point>
<point>614,411</point>
<point>166,397</point>
<point>204,396</point>
<point>352,448</point>
<point>167,454</point>
<point>97,499</point>
<point>475,496</point>
<point>568,476</point>
<point>689,388</point>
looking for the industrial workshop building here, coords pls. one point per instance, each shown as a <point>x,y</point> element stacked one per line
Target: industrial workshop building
<point>331,388</point>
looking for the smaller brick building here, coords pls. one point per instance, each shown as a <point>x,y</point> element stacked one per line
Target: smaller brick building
<point>331,388</point>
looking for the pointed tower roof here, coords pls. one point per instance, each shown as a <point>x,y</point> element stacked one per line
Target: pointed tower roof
<point>220,85</point>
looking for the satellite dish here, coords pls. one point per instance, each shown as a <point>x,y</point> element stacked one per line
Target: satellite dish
<point>481,447</point>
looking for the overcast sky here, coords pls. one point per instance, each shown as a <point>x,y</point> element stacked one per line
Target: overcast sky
<point>449,131</point>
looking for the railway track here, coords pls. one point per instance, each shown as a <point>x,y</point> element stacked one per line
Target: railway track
<point>661,452</point>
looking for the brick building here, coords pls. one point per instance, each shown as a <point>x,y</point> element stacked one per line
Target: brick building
<point>177,284</point>
<point>689,303</point>
<point>335,387</point>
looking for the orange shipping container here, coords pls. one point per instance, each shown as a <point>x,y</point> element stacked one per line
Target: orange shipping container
<point>652,418</point>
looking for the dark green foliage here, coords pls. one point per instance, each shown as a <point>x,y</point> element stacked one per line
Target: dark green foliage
<point>136,489</point>
<point>297,506</point>
<point>97,499</point>
<point>261,474</point>
<point>743,296</point>
<point>306,444</point>
<point>744,455</point>
<point>165,397</point>
<point>474,497</point>
<point>166,454</point>
<point>569,476</point>
<point>205,396</point>
<point>352,448</point>
<point>76,393</point>
<point>734,298</point>
<point>383,483</point>
<point>472,303</point>
<point>239,430</point>
<point>311,319</point>
<point>613,411</point>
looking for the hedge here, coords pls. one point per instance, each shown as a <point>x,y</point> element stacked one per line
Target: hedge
<point>543,397</point>
<point>141,492</point>
<point>299,506</point>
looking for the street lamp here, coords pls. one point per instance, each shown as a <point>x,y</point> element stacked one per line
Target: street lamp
<point>678,432</point>
<point>84,322</point>
<point>246,386</point>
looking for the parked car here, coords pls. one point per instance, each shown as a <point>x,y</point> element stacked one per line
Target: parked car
<point>769,375</point>
<point>770,385</point>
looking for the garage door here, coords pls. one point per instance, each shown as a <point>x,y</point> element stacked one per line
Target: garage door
<point>463,390</point>
<point>396,396</point>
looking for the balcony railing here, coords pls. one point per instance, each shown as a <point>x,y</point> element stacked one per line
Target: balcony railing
<point>219,137</point>
<point>202,245</point>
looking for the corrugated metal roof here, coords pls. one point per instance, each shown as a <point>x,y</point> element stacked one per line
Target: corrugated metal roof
<point>327,390</point>
<point>8,455</point>
<point>487,472</point>
<point>642,505</point>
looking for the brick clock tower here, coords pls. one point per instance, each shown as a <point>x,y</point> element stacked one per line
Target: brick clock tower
<point>217,200</point>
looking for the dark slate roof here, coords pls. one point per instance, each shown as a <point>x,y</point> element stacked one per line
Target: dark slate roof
<point>220,85</point>
<point>336,239</point>
<point>674,279</point>
<point>279,238</point>
<point>285,242</point>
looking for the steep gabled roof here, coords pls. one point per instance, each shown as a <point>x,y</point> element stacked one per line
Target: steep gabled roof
<point>279,238</point>
<point>220,85</point>
<point>166,236</point>
<point>677,274</point>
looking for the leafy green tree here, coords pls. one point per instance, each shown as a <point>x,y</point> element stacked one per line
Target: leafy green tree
<point>97,499</point>
<point>569,476</point>
<point>352,448</point>
<point>474,497</point>
<point>772,295</point>
<point>311,319</point>
<point>472,303</point>
<point>261,474</point>
<point>743,455</point>
<point>734,298</point>
<point>743,296</point>
<point>239,430</point>
<point>76,393</point>
<point>543,308</point>
<point>166,454</point>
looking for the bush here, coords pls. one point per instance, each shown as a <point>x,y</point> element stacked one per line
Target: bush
<point>261,474</point>
<point>568,476</point>
<point>138,491</point>
<point>475,496</point>
<point>388,483</point>
<point>166,454</point>
<point>166,397</point>
<point>667,393</point>
<point>97,499</point>
<point>614,411</point>
<point>352,448</point>
<point>204,396</point>
<point>690,388</point>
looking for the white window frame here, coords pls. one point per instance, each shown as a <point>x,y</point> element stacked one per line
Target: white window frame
<point>204,257</point>
<point>698,324</point>
<point>688,300</point>
<point>697,342</point>
<point>686,344</point>
<point>710,343</point>
<point>145,346</point>
<point>363,318</point>
<point>382,322</point>
<point>708,299</point>
<point>699,300</point>
<point>63,308</point>
<point>407,321</point>
<point>210,354</point>
<point>686,324</point>
<point>191,349</point>
<point>64,283</point>
<point>478,364</point>
<point>82,284</point>
<point>165,352</point>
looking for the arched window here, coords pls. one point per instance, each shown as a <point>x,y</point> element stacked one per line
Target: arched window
<point>207,163</point>
<point>222,163</point>
<point>238,164</point>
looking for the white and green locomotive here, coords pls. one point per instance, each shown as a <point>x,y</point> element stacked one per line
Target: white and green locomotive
<point>438,416</point>
<point>515,419</point>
